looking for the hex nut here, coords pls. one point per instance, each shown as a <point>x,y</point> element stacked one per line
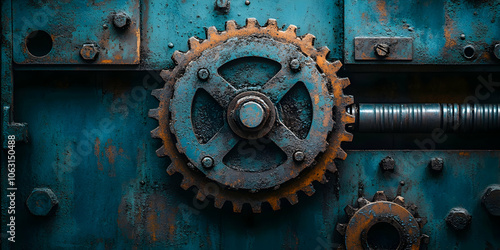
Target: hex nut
<point>491,199</point>
<point>42,202</point>
<point>387,164</point>
<point>436,164</point>
<point>121,20</point>
<point>458,218</point>
<point>89,51</point>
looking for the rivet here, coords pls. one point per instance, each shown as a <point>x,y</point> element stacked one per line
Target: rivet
<point>170,45</point>
<point>299,156</point>
<point>247,2</point>
<point>207,162</point>
<point>295,64</point>
<point>203,74</point>
<point>462,36</point>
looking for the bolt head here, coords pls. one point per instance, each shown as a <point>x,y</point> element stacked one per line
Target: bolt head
<point>121,20</point>
<point>41,202</point>
<point>295,64</point>
<point>89,51</point>
<point>458,218</point>
<point>496,50</point>
<point>382,50</point>
<point>491,200</point>
<point>251,115</point>
<point>247,2</point>
<point>299,156</point>
<point>436,164</point>
<point>207,162</point>
<point>170,45</point>
<point>462,36</point>
<point>387,164</point>
<point>203,74</point>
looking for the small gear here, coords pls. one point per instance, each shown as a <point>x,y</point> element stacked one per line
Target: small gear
<point>382,224</point>
<point>249,113</point>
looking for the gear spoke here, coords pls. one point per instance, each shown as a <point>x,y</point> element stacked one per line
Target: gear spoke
<point>220,89</point>
<point>280,84</point>
<point>285,138</point>
<point>219,145</point>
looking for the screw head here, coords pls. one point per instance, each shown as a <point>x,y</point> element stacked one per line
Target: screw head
<point>89,51</point>
<point>299,156</point>
<point>207,162</point>
<point>491,200</point>
<point>496,51</point>
<point>458,218</point>
<point>121,20</point>
<point>203,74</point>
<point>295,64</point>
<point>142,182</point>
<point>41,201</point>
<point>436,164</point>
<point>382,50</point>
<point>387,164</point>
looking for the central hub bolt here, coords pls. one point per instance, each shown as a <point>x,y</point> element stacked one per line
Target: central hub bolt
<point>251,114</point>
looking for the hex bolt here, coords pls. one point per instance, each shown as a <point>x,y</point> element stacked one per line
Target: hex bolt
<point>121,20</point>
<point>491,199</point>
<point>41,202</point>
<point>222,5</point>
<point>295,64</point>
<point>207,162</point>
<point>387,164</point>
<point>458,218</point>
<point>299,156</point>
<point>203,74</point>
<point>436,164</point>
<point>89,51</point>
<point>382,50</point>
<point>496,51</point>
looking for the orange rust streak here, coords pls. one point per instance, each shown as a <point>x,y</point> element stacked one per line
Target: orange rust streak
<point>381,7</point>
<point>449,30</point>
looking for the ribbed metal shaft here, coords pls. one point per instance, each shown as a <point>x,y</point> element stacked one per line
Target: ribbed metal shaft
<point>426,117</point>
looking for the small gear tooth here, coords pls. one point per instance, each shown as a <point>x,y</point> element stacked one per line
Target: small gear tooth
<point>349,119</point>
<point>166,74</point>
<point>400,200</point>
<point>292,29</point>
<point>362,202</point>
<point>161,152</point>
<point>323,52</point>
<point>155,133</point>
<point>348,99</point>
<point>293,199</point>
<point>309,39</point>
<point>157,93</point>
<point>347,137</point>
<point>335,65</point>
<point>275,204</point>
<point>344,82</point>
<point>177,56</point>
<point>218,202</point>
<point>256,207</point>
<point>331,167</point>
<point>341,154</point>
<point>237,207</point>
<point>193,43</point>
<point>211,31</point>
<point>380,196</point>
<point>350,210</point>
<point>171,169</point>
<point>231,25</point>
<point>341,228</point>
<point>272,24</point>
<point>186,183</point>
<point>200,196</point>
<point>154,113</point>
<point>251,23</point>
<point>309,190</point>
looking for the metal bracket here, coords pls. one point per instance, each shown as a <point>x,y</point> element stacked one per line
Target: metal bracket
<point>19,130</point>
<point>383,48</point>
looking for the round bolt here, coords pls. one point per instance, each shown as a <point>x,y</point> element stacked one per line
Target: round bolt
<point>462,36</point>
<point>89,51</point>
<point>247,2</point>
<point>436,164</point>
<point>382,50</point>
<point>388,164</point>
<point>251,114</point>
<point>491,200</point>
<point>496,51</point>
<point>41,201</point>
<point>170,45</point>
<point>207,162</point>
<point>121,20</point>
<point>295,65</point>
<point>299,156</point>
<point>105,26</point>
<point>458,218</point>
<point>402,183</point>
<point>142,182</point>
<point>203,74</point>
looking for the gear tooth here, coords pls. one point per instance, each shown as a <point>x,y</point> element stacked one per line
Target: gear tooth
<point>341,154</point>
<point>362,202</point>
<point>166,74</point>
<point>341,228</point>
<point>193,43</point>
<point>344,82</point>
<point>347,136</point>
<point>237,207</point>
<point>200,196</point>
<point>177,56</point>
<point>323,52</point>
<point>380,196</point>
<point>400,200</point>
<point>292,29</point>
<point>154,113</point>
<point>155,133</point>
<point>218,202</point>
<point>348,100</point>
<point>335,65</point>
<point>272,24</point>
<point>157,93</point>
<point>309,39</point>
<point>331,167</point>
<point>186,183</point>
<point>256,207</point>
<point>323,180</point>
<point>231,25</point>
<point>275,204</point>
<point>161,152</point>
<point>171,169</point>
<point>211,31</point>
<point>350,210</point>
<point>309,190</point>
<point>293,199</point>
<point>349,118</point>
<point>251,23</point>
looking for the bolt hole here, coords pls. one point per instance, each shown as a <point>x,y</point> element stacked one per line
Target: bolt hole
<point>383,235</point>
<point>469,52</point>
<point>39,43</point>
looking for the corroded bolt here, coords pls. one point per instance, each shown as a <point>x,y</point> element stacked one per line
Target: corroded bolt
<point>382,50</point>
<point>436,164</point>
<point>496,50</point>
<point>89,51</point>
<point>299,156</point>
<point>121,20</point>
<point>203,74</point>
<point>458,218</point>
<point>207,162</point>
<point>295,65</point>
<point>387,164</point>
<point>41,201</point>
<point>491,199</point>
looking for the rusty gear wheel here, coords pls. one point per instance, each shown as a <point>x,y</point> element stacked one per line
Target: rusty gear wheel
<point>307,159</point>
<point>382,224</point>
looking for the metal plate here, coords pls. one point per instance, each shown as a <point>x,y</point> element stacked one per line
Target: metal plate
<point>399,48</point>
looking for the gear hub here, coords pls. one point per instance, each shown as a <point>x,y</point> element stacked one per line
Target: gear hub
<point>250,109</point>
